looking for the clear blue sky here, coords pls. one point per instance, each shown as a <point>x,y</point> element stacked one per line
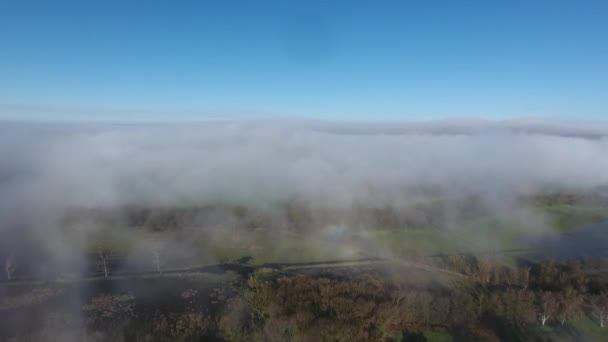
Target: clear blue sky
<point>327,59</point>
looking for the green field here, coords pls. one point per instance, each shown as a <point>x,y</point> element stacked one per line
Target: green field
<point>287,249</point>
<point>569,217</point>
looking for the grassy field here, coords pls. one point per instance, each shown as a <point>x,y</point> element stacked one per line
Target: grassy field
<point>499,235</point>
<point>288,249</point>
<point>436,336</point>
<point>502,236</point>
<point>579,330</point>
<point>483,235</point>
<point>566,218</point>
<point>415,242</point>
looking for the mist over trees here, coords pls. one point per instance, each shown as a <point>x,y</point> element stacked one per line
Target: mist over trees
<point>272,206</point>
<point>328,164</point>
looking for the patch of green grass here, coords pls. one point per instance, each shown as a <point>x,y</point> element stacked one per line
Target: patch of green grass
<point>416,242</point>
<point>491,233</point>
<point>283,250</point>
<point>591,330</point>
<point>578,330</point>
<point>482,235</point>
<point>569,217</point>
<point>113,242</point>
<point>436,336</point>
<point>487,234</point>
<point>297,251</point>
<point>499,237</point>
<point>502,234</point>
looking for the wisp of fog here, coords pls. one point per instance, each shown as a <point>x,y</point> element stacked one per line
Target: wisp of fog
<point>50,166</point>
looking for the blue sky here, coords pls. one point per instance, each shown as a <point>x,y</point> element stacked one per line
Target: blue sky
<point>320,59</point>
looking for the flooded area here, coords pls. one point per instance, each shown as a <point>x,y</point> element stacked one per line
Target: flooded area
<point>589,241</point>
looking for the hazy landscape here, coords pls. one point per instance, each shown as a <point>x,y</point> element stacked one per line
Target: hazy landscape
<point>304,230</point>
<point>304,171</point>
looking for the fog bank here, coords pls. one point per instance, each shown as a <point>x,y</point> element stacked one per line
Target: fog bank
<point>49,165</point>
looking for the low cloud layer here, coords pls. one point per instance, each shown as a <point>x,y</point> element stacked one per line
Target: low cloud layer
<point>65,188</point>
<point>55,165</point>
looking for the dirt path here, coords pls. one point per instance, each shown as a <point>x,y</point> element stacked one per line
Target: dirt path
<point>243,270</point>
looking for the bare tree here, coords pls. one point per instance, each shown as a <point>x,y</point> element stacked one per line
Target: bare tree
<point>457,263</point>
<point>157,260</point>
<point>484,270</point>
<point>423,301</point>
<point>440,309</point>
<point>525,306</point>
<point>599,307</point>
<point>546,306</point>
<point>570,302</point>
<point>577,277</point>
<point>155,245</point>
<point>103,257</point>
<point>481,300</point>
<point>549,274</point>
<point>108,247</point>
<point>516,305</point>
<point>499,275</point>
<point>10,266</point>
<point>525,277</point>
<point>510,276</point>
